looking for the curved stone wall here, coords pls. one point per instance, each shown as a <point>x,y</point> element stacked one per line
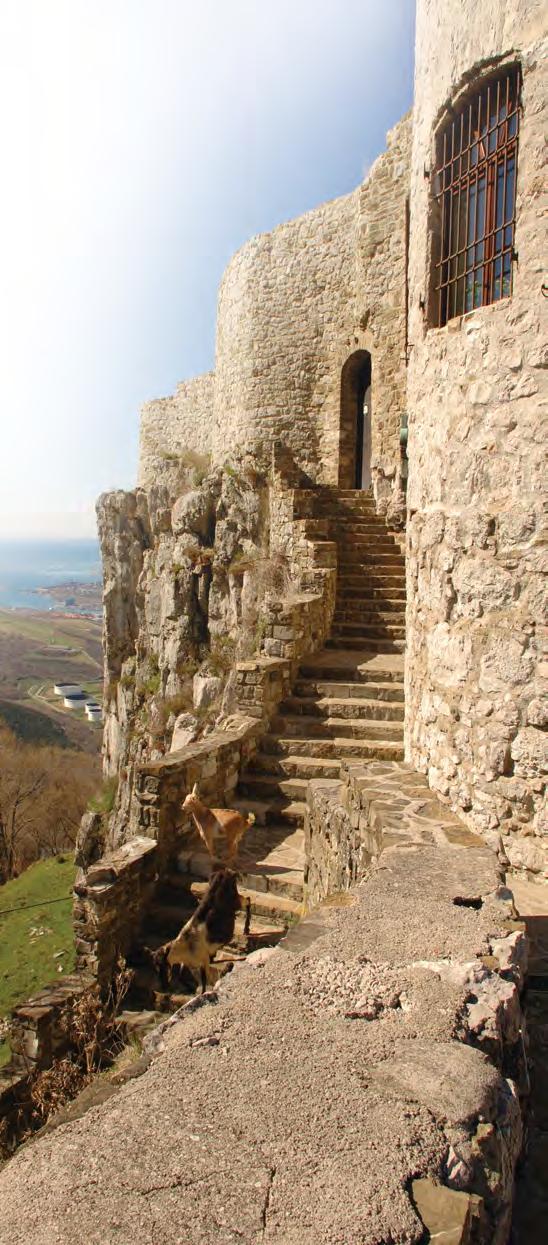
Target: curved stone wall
<point>295,303</point>
<point>477,393</point>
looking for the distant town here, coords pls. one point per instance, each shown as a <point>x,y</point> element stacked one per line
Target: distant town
<point>82,600</point>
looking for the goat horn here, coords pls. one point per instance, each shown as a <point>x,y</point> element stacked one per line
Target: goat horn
<point>195,789</point>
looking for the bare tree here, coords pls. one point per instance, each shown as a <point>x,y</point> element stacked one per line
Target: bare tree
<point>43,793</point>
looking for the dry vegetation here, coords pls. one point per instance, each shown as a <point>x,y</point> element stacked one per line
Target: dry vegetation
<point>94,1040</point>
<point>43,793</point>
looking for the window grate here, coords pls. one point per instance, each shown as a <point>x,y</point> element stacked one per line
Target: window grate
<point>475,189</point>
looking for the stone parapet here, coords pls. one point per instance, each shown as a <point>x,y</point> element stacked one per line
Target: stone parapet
<point>174,427</point>
<point>213,763</point>
<point>374,807</point>
<point>110,899</point>
<point>37,1033</point>
<point>261,683</point>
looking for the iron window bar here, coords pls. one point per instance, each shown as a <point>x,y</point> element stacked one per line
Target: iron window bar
<point>475,187</point>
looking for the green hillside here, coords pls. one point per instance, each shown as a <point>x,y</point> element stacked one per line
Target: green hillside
<point>31,936</point>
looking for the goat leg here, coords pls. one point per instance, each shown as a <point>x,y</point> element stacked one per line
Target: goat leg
<point>247,923</point>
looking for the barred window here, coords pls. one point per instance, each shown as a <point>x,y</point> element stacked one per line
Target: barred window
<point>475,188</point>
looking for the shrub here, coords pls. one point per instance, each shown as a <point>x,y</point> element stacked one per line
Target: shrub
<point>103,802</point>
<point>222,655</point>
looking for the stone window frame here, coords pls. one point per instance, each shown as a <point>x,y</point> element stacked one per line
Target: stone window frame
<point>472,85</point>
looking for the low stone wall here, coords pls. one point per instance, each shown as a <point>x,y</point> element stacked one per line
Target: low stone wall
<point>112,895</point>
<point>37,1033</point>
<point>110,899</point>
<point>373,807</point>
<point>261,683</point>
<point>299,623</point>
<point>38,1036</point>
<point>382,819</point>
<point>213,762</point>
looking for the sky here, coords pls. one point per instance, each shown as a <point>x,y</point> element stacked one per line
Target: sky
<point>143,141</point>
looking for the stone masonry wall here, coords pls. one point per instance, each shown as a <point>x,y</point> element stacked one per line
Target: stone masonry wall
<point>175,425</point>
<point>475,680</point>
<point>294,304</point>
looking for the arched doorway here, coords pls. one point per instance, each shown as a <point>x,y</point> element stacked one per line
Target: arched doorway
<point>355,437</point>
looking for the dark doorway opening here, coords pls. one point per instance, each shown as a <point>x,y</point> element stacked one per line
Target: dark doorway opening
<point>355,438</point>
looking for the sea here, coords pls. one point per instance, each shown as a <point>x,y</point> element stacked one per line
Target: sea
<point>29,564</point>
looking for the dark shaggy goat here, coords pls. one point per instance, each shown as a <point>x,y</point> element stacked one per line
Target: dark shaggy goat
<point>210,927</point>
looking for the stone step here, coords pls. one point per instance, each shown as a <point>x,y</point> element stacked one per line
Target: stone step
<point>335,507</point>
<point>342,707</point>
<point>338,748</point>
<point>357,666</point>
<point>358,519</point>
<point>348,535</point>
<point>370,645</point>
<point>351,538</point>
<point>299,725</point>
<point>264,928</point>
<point>357,611</point>
<point>370,630</point>
<point>375,647</point>
<point>386,598</point>
<point>293,766</point>
<point>270,859</point>
<point>370,579</point>
<point>340,691</point>
<point>282,813</point>
<point>274,907</point>
<point>368,558</point>
<point>355,600</point>
<point>258,785</point>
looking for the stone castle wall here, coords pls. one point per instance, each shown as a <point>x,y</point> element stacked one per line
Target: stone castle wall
<point>477,394</point>
<point>294,304</point>
<point>175,425</point>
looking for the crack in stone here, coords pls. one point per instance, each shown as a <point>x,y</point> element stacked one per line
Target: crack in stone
<point>268,1195</point>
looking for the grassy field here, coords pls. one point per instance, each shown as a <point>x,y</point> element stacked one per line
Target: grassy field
<point>30,937</point>
<point>49,628</point>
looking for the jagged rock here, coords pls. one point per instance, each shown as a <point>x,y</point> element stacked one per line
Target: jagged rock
<point>90,841</point>
<point>184,731</point>
<point>194,513</point>
<point>206,689</point>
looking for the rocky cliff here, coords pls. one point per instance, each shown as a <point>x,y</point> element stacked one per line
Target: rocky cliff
<point>186,568</point>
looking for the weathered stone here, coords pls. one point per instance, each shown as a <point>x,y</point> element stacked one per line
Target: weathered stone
<point>447,1214</point>
<point>185,731</point>
<point>206,689</point>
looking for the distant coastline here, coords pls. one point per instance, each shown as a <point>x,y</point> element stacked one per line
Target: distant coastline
<point>45,575</point>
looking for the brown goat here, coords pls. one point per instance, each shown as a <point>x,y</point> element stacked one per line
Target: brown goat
<point>227,821</point>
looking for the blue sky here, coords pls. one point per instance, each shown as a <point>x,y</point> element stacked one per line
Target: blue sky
<point>143,142</point>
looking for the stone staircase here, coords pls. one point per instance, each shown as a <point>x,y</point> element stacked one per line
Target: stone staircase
<point>347,702</point>
<point>271,888</point>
